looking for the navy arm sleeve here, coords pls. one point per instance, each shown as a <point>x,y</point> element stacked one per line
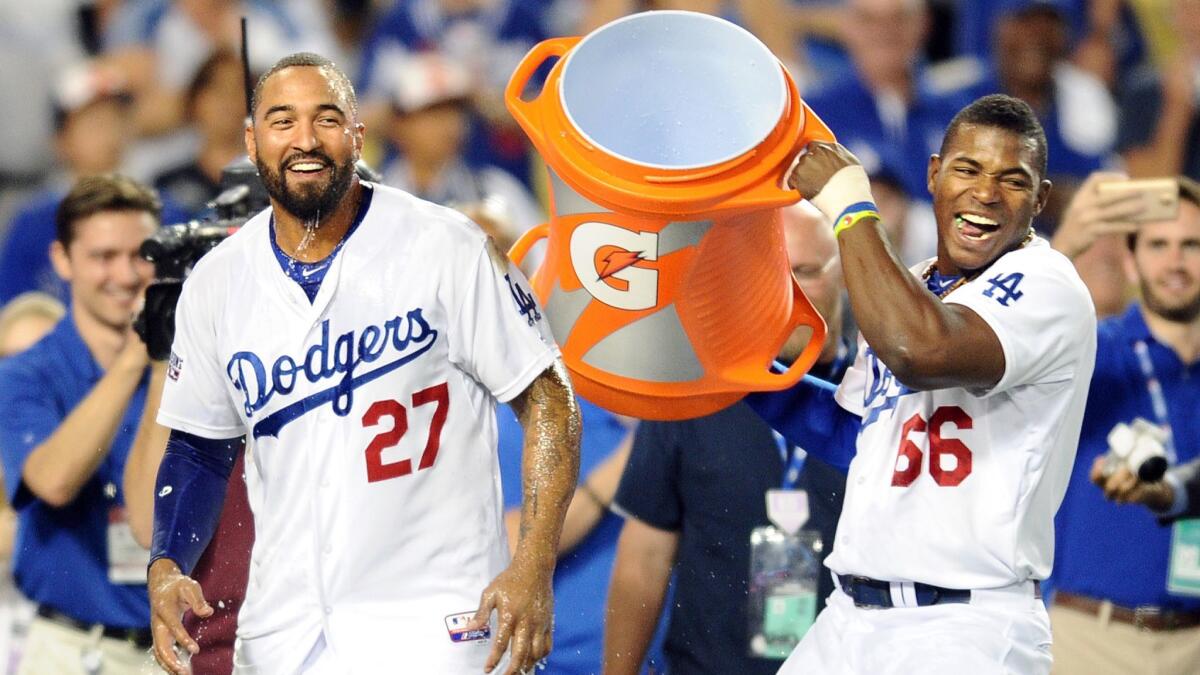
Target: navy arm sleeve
<point>808,416</point>
<point>189,495</point>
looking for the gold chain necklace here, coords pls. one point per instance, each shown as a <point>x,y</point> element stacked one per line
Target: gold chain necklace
<point>966,278</point>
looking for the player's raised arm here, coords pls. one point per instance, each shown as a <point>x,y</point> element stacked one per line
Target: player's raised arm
<point>522,594</point>
<point>989,199</point>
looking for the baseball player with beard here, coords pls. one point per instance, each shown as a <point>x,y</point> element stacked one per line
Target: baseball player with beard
<point>360,338</point>
<point>959,419</point>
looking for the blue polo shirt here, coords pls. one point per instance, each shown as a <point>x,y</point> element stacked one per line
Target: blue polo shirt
<point>1104,550</point>
<point>61,555</point>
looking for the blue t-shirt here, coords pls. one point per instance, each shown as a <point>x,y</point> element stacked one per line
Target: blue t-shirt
<point>850,110</point>
<point>582,575</point>
<point>61,555</point>
<point>1104,550</point>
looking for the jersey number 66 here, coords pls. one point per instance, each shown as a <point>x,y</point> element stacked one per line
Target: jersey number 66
<point>907,471</point>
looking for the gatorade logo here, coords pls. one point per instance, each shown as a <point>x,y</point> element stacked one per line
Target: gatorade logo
<point>606,257</point>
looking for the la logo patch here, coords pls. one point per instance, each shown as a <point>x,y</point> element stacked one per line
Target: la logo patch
<point>526,304</point>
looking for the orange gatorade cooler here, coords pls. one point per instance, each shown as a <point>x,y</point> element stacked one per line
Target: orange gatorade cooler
<point>666,281</point>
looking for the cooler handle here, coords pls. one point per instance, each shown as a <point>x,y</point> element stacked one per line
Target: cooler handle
<point>802,309</point>
<point>526,241</point>
<point>520,109</point>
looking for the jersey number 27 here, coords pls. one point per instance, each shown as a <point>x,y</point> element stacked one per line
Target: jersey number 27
<point>377,469</point>
<point>909,457</point>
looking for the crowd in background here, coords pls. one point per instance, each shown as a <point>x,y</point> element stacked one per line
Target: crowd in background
<point>153,89</point>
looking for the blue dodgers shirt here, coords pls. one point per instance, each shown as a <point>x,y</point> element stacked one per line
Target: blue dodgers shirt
<point>61,555</point>
<point>1104,550</point>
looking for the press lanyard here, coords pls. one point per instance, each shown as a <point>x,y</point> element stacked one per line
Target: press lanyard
<point>792,457</point>
<point>1157,401</point>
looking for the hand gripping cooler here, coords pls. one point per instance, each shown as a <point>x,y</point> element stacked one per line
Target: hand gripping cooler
<point>666,282</point>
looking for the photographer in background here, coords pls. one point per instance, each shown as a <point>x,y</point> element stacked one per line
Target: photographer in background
<point>72,404</point>
<point>1112,612</point>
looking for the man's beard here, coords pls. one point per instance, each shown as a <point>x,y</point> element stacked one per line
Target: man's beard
<point>1184,313</point>
<point>309,202</point>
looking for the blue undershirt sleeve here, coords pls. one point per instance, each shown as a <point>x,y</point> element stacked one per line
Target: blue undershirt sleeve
<point>808,416</point>
<point>189,495</point>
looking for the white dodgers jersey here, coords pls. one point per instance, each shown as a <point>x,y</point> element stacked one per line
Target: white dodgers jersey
<point>959,488</point>
<point>370,410</point>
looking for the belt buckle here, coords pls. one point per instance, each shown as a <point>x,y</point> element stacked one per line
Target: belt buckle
<point>1142,614</point>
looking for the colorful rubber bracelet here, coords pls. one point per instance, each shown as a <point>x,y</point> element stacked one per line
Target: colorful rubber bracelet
<point>852,214</point>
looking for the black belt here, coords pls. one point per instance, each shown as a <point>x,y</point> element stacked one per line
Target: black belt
<point>141,638</point>
<point>876,594</point>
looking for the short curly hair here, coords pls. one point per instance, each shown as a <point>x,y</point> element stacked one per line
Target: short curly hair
<point>307,60</point>
<point>1002,112</point>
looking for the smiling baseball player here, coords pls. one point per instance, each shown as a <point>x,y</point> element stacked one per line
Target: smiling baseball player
<point>361,338</point>
<point>960,415</point>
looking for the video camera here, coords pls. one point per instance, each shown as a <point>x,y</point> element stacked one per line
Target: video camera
<point>174,250</point>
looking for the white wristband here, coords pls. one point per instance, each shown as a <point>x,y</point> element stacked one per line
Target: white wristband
<point>849,185</point>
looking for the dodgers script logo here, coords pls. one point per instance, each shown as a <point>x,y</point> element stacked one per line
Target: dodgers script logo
<point>402,338</point>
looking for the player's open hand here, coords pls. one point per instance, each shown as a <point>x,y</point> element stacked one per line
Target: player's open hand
<point>171,594</point>
<point>523,600</point>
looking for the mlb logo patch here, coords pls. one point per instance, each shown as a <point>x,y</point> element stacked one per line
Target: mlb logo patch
<point>174,366</point>
<point>456,625</point>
